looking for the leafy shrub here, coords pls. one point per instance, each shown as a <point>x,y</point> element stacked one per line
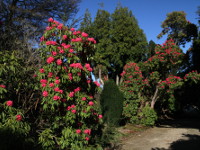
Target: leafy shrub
<point>147,116</point>
<point>111,101</point>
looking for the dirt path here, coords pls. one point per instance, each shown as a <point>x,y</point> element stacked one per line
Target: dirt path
<point>183,134</point>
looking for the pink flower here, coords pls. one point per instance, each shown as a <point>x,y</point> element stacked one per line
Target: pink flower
<point>56,89</point>
<point>64,37</point>
<point>2,86</point>
<point>9,103</point>
<point>72,29</point>
<point>87,66</point>
<point>60,91</point>
<point>76,65</point>
<point>76,40</point>
<point>65,46</point>
<point>51,42</point>
<point>84,34</point>
<point>97,83</point>
<point>18,117</point>
<point>61,51</point>
<point>77,89</point>
<point>70,76</point>
<point>42,39</point>
<point>87,138</point>
<point>73,111</point>
<point>57,81</point>
<point>68,108</point>
<point>76,32</point>
<point>78,131</point>
<point>54,53</point>
<point>51,84</point>
<point>71,50</point>
<point>45,93</point>
<point>100,116</point>
<point>71,94</point>
<point>50,59</point>
<point>49,28</point>
<point>84,98</point>
<point>41,70</point>
<point>87,131</point>
<point>91,103</point>
<point>91,96</point>
<point>43,81</point>
<point>50,20</point>
<point>92,40</point>
<point>59,61</point>
<point>88,81</point>
<point>73,106</point>
<point>56,97</point>
<point>60,26</point>
<point>44,85</point>
<point>50,74</point>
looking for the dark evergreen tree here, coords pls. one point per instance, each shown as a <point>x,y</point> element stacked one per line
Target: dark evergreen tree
<point>128,40</point>
<point>151,48</point>
<point>111,100</point>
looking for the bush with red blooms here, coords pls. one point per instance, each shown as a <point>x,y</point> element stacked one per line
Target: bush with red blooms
<point>11,117</point>
<point>71,118</point>
<point>154,81</point>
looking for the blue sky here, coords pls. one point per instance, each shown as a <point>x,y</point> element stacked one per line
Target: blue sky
<point>149,13</point>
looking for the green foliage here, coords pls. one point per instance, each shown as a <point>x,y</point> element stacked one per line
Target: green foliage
<point>111,101</point>
<point>147,116</point>
<point>13,129</point>
<point>151,48</point>
<point>130,110</point>
<point>178,28</point>
<point>119,40</point>
<point>18,80</point>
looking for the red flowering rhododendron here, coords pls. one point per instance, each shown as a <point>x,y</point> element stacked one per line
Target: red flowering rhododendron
<point>18,117</point>
<point>45,93</point>
<point>9,103</point>
<point>2,86</point>
<point>50,59</point>
<point>148,82</point>
<point>67,94</point>
<point>78,131</point>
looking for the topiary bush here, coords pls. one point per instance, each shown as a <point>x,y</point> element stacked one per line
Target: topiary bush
<point>111,101</point>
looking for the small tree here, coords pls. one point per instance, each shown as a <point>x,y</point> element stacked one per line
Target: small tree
<point>111,100</point>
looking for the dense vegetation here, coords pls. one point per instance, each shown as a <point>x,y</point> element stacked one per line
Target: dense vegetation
<point>48,99</point>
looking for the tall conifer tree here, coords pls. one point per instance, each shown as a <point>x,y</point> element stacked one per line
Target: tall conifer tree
<point>128,40</point>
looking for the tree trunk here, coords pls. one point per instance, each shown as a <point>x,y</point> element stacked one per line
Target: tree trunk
<point>100,77</point>
<point>155,97</point>
<point>117,80</point>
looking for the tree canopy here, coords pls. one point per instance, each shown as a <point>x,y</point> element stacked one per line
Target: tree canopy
<point>178,28</point>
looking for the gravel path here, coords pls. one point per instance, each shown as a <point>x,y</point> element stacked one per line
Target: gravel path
<point>183,134</point>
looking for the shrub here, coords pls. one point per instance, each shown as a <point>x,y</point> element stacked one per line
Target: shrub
<point>111,101</point>
<point>147,116</point>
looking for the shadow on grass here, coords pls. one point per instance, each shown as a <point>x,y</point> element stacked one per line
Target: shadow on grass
<point>192,142</point>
